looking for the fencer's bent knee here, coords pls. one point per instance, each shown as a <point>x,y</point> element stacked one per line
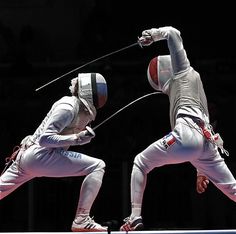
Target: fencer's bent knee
<point>101,166</point>
<point>139,162</point>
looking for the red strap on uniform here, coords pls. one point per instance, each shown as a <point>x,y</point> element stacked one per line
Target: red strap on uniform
<point>16,150</point>
<point>206,133</point>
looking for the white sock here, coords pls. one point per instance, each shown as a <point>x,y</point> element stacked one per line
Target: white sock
<point>136,210</point>
<point>81,216</point>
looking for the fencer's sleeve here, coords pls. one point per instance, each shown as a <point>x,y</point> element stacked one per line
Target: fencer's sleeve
<point>180,62</point>
<point>59,119</point>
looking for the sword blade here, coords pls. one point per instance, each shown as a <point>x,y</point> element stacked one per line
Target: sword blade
<point>92,61</point>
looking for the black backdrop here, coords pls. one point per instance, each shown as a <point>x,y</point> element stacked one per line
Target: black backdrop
<point>40,40</point>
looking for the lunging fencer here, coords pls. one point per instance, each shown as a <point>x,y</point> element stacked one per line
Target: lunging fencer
<point>46,152</point>
<point>191,138</point>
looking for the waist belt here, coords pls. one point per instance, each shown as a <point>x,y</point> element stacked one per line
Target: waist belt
<point>207,132</point>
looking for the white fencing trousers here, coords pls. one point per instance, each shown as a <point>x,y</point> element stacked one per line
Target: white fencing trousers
<point>38,161</point>
<point>184,144</point>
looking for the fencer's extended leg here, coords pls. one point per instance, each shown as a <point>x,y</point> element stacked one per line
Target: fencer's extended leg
<point>11,179</point>
<point>217,172</point>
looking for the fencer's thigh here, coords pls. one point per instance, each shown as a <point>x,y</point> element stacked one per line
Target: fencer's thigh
<point>212,165</point>
<point>183,144</point>
<point>39,161</point>
<point>156,155</point>
<point>12,178</point>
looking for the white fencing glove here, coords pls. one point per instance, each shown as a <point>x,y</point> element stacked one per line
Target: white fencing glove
<point>85,136</point>
<point>151,35</point>
<point>146,38</point>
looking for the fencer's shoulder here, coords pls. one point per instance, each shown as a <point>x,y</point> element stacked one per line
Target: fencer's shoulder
<point>68,102</point>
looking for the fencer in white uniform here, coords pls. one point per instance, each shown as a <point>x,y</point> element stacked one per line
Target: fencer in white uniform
<point>45,153</point>
<point>191,138</point>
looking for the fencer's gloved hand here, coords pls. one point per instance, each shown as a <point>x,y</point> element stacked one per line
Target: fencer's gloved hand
<point>201,183</point>
<point>151,35</point>
<point>146,38</point>
<point>85,136</point>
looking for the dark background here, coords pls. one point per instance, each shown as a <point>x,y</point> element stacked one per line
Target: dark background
<point>43,39</point>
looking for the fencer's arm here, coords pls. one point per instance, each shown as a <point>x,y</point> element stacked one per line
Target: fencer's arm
<point>180,62</point>
<point>59,120</point>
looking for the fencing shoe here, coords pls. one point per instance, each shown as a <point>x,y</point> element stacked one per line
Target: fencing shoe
<point>87,225</point>
<point>132,224</point>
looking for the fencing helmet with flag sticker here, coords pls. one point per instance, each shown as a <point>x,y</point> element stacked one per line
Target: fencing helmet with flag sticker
<point>159,72</point>
<point>90,87</point>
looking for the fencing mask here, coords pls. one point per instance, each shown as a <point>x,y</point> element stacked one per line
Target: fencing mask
<point>159,72</point>
<point>90,87</point>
